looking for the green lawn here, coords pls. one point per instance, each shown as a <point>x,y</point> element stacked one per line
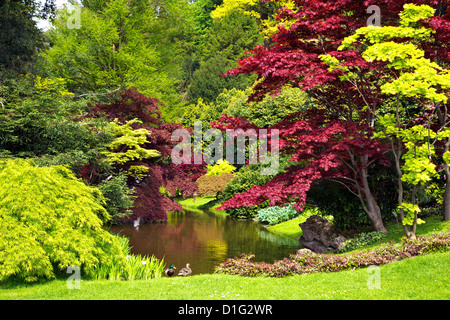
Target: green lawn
<point>199,203</point>
<point>288,228</point>
<point>423,277</point>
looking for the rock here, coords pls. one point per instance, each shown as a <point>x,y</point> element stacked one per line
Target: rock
<point>320,236</point>
<point>304,251</point>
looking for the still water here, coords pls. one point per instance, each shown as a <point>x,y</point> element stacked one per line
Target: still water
<point>204,240</point>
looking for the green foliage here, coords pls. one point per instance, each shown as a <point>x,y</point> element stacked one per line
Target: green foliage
<point>265,12</point>
<point>265,113</point>
<point>244,179</point>
<point>37,119</point>
<point>207,83</point>
<point>75,160</point>
<point>50,220</point>
<point>363,240</point>
<point>248,176</point>
<point>127,144</point>
<point>274,215</point>
<point>223,44</point>
<point>230,36</point>
<point>222,166</point>
<point>21,36</point>
<point>234,102</point>
<point>413,14</point>
<point>202,10</point>
<point>134,267</point>
<point>119,43</point>
<point>411,211</point>
<point>245,212</point>
<point>138,172</point>
<point>118,196</point>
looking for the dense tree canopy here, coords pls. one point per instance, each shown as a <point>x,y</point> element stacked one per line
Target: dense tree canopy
<point>318,28</point>
<point>20,36</point>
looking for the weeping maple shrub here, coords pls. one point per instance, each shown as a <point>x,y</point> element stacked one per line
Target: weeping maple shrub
<point>178,180</point>
<point>51,220</point>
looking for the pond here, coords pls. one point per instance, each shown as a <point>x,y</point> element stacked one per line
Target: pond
<point>205,240</point>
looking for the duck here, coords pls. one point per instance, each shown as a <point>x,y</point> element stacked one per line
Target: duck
<point>185,271</point>
<point>170,271</point>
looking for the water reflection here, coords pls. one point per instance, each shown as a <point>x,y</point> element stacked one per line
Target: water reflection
<point>204,240</point>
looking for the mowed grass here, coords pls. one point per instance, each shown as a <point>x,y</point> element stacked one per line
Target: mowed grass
<point>422,277</point>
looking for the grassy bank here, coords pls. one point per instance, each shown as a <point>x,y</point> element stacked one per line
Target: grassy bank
<point>423,277</point>
<point>200,203</point>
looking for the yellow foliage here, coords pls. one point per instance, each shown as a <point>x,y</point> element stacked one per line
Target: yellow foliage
<point>54,87</point>
<point>269,26</point>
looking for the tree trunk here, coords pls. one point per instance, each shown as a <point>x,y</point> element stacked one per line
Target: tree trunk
<point>373,210</point>
<point>446,205</point>
<point>374,214</point>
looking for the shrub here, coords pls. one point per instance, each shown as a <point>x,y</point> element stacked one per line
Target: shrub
<point>134,267</point>
<point>305,261</point>
<point>222,166</point>
<point>274,215</point>
<point>212,185</point>
<point>364,239</point>
<point>244,212</point>
<point>244,179</point>
<point>118,196</point>
<point>49,221</point>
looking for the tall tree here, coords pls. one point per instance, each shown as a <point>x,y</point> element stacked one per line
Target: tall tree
<point>319,27</point>
<point>119,43</point>
<point>19,34</point>
<point>408,76</point>
<point>226,42</point>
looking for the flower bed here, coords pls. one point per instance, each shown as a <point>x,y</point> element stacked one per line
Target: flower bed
<point>305,261</point>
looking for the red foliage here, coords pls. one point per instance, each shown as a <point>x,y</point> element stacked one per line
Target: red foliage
<point>329,148</point>
<point>322,148</point>
<point>150,204</point>
<point>131,104</point>
<point>319,28</point>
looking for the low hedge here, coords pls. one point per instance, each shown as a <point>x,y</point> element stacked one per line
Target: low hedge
<point>363,240</point>
<point>305,261</point>
<point>212,185</point>
<point>276,214</point>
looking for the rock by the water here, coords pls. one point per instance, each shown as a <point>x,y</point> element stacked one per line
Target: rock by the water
<point>320,236</point>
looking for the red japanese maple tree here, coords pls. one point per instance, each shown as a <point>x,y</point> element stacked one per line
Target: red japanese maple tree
<point>151,204</point>
<point>321,148</point>
<point>337,142</point>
